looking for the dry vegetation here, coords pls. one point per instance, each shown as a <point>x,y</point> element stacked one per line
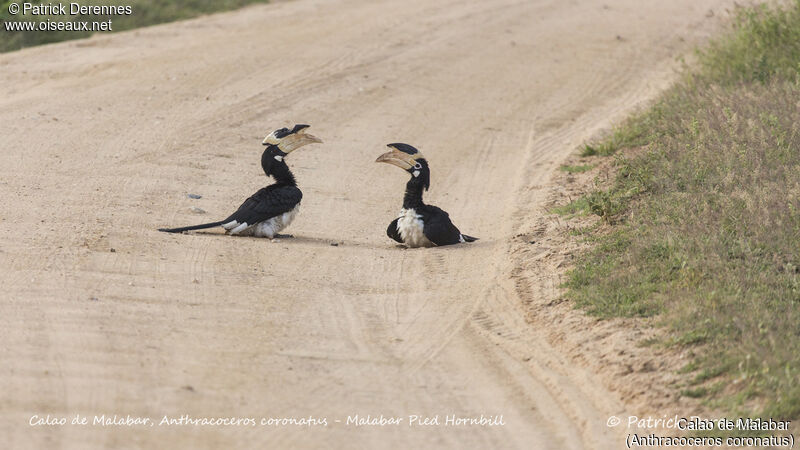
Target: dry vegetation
<point>705,222</point>
<point>145,12</point>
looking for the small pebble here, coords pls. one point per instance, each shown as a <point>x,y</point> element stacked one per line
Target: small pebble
<point>197,210</point>
<point>194,196</point>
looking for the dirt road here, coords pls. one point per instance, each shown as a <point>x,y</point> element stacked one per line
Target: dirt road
<point>102,139</point>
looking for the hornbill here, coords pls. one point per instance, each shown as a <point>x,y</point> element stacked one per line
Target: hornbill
<point>272,208</point>
<point>418,224</point>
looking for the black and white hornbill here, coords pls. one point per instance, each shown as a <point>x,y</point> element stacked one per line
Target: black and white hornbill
<point>418,224</point>
<point>272,208</point>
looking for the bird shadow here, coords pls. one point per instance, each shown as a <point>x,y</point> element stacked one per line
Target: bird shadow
<point>294,239</point>
<point>327,242</point>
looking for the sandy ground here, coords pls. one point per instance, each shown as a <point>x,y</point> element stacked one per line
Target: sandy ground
<point>103,138</point>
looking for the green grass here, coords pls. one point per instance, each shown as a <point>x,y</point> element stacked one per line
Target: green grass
<point>576,207</point>
<point>577,168</point>
<point>632,133</point>
<point>145,12</point>
<point>705,222</point>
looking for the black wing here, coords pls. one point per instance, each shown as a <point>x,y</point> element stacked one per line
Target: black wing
<point>438,227</point>
<point>267,203</point>
<point>392,231</point>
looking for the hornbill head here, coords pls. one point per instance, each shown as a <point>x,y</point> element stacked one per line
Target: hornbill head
<point>409,159</point>
<point>283,141</point>
<point>287,140</point>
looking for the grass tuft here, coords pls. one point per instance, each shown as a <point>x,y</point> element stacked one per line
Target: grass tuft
<point>577,207</point>
<point>577,168</point>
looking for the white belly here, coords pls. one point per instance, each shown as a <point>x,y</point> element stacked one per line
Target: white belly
<point>409,225</point>
<point>268,228</point>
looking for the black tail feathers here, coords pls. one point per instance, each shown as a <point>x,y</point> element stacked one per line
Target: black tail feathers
<point>193,227</point>
<point>469,238</point>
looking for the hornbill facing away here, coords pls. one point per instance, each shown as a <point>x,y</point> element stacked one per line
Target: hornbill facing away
<point>272,208</point>
<point>418,224</point>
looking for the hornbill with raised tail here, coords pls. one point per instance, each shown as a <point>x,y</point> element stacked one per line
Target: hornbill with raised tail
<point>418,224</point>
<point>272,208</point>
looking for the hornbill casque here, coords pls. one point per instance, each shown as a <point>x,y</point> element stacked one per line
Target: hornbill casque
<point>272,208</point>
<point>418,224</point>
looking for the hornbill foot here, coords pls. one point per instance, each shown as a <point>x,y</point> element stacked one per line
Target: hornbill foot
<point>282,236</point>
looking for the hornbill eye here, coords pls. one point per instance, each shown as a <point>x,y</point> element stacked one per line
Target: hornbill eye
<point>418,166</point>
